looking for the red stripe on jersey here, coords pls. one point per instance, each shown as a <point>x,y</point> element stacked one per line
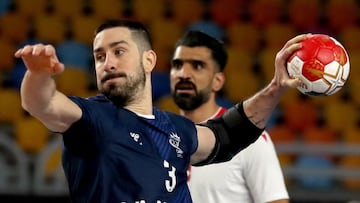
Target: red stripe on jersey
<point>263,135</point>
<point>220,112</point>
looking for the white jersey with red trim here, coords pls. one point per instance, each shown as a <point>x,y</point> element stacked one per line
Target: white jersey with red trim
<point>253,175</point>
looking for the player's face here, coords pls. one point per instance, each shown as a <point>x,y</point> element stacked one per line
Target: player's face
<point>119,71</point>
<point>192,76</point>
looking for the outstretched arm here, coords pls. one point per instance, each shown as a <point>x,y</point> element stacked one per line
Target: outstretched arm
<point>38,89</point>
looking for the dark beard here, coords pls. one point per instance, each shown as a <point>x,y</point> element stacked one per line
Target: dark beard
<point>123,95</point>
<point>119,98</point>
<point>188,102</point>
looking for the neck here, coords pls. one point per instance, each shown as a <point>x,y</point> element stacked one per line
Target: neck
<point>142,104</point>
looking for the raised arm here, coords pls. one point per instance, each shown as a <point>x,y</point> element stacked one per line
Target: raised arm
<point>242,124</point>
<point>38,89</point>
<point>259,107</point>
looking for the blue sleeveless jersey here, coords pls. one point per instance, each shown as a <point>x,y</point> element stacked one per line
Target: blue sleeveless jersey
<point>113,155</point>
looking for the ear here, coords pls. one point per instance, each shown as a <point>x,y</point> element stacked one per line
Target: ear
<point>218,81</point>
<point>149,60</point>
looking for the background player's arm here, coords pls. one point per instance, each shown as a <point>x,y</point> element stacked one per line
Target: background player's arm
<point>38,89</point>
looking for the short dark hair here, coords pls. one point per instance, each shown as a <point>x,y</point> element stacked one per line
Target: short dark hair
<point>195,38</point>
<point>138,30</point>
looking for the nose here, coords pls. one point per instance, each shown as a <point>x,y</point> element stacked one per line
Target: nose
<point>110,63</point>
<point>185,71</point>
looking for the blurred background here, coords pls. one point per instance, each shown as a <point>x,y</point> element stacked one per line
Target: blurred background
<point>317,138</point>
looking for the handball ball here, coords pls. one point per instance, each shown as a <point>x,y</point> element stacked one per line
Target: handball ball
<point>322,64</point>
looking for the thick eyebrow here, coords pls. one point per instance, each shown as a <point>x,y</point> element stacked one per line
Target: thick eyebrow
<point>177,60</point>
<point>112,44</point>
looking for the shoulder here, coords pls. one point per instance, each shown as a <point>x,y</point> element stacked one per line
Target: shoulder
<point>98,102</point>
<point>184,127</point>
<point>264,139</point>
<point>262,149</point>
<point>178,119</point>
<point>266,136</point>
<point>182,123</point>
<point>93,99</point>
<point>100,108</point>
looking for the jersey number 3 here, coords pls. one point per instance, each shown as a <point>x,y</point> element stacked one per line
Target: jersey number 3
<point>170,184</point>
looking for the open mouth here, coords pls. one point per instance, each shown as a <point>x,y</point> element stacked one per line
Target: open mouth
<point>185,88</point>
